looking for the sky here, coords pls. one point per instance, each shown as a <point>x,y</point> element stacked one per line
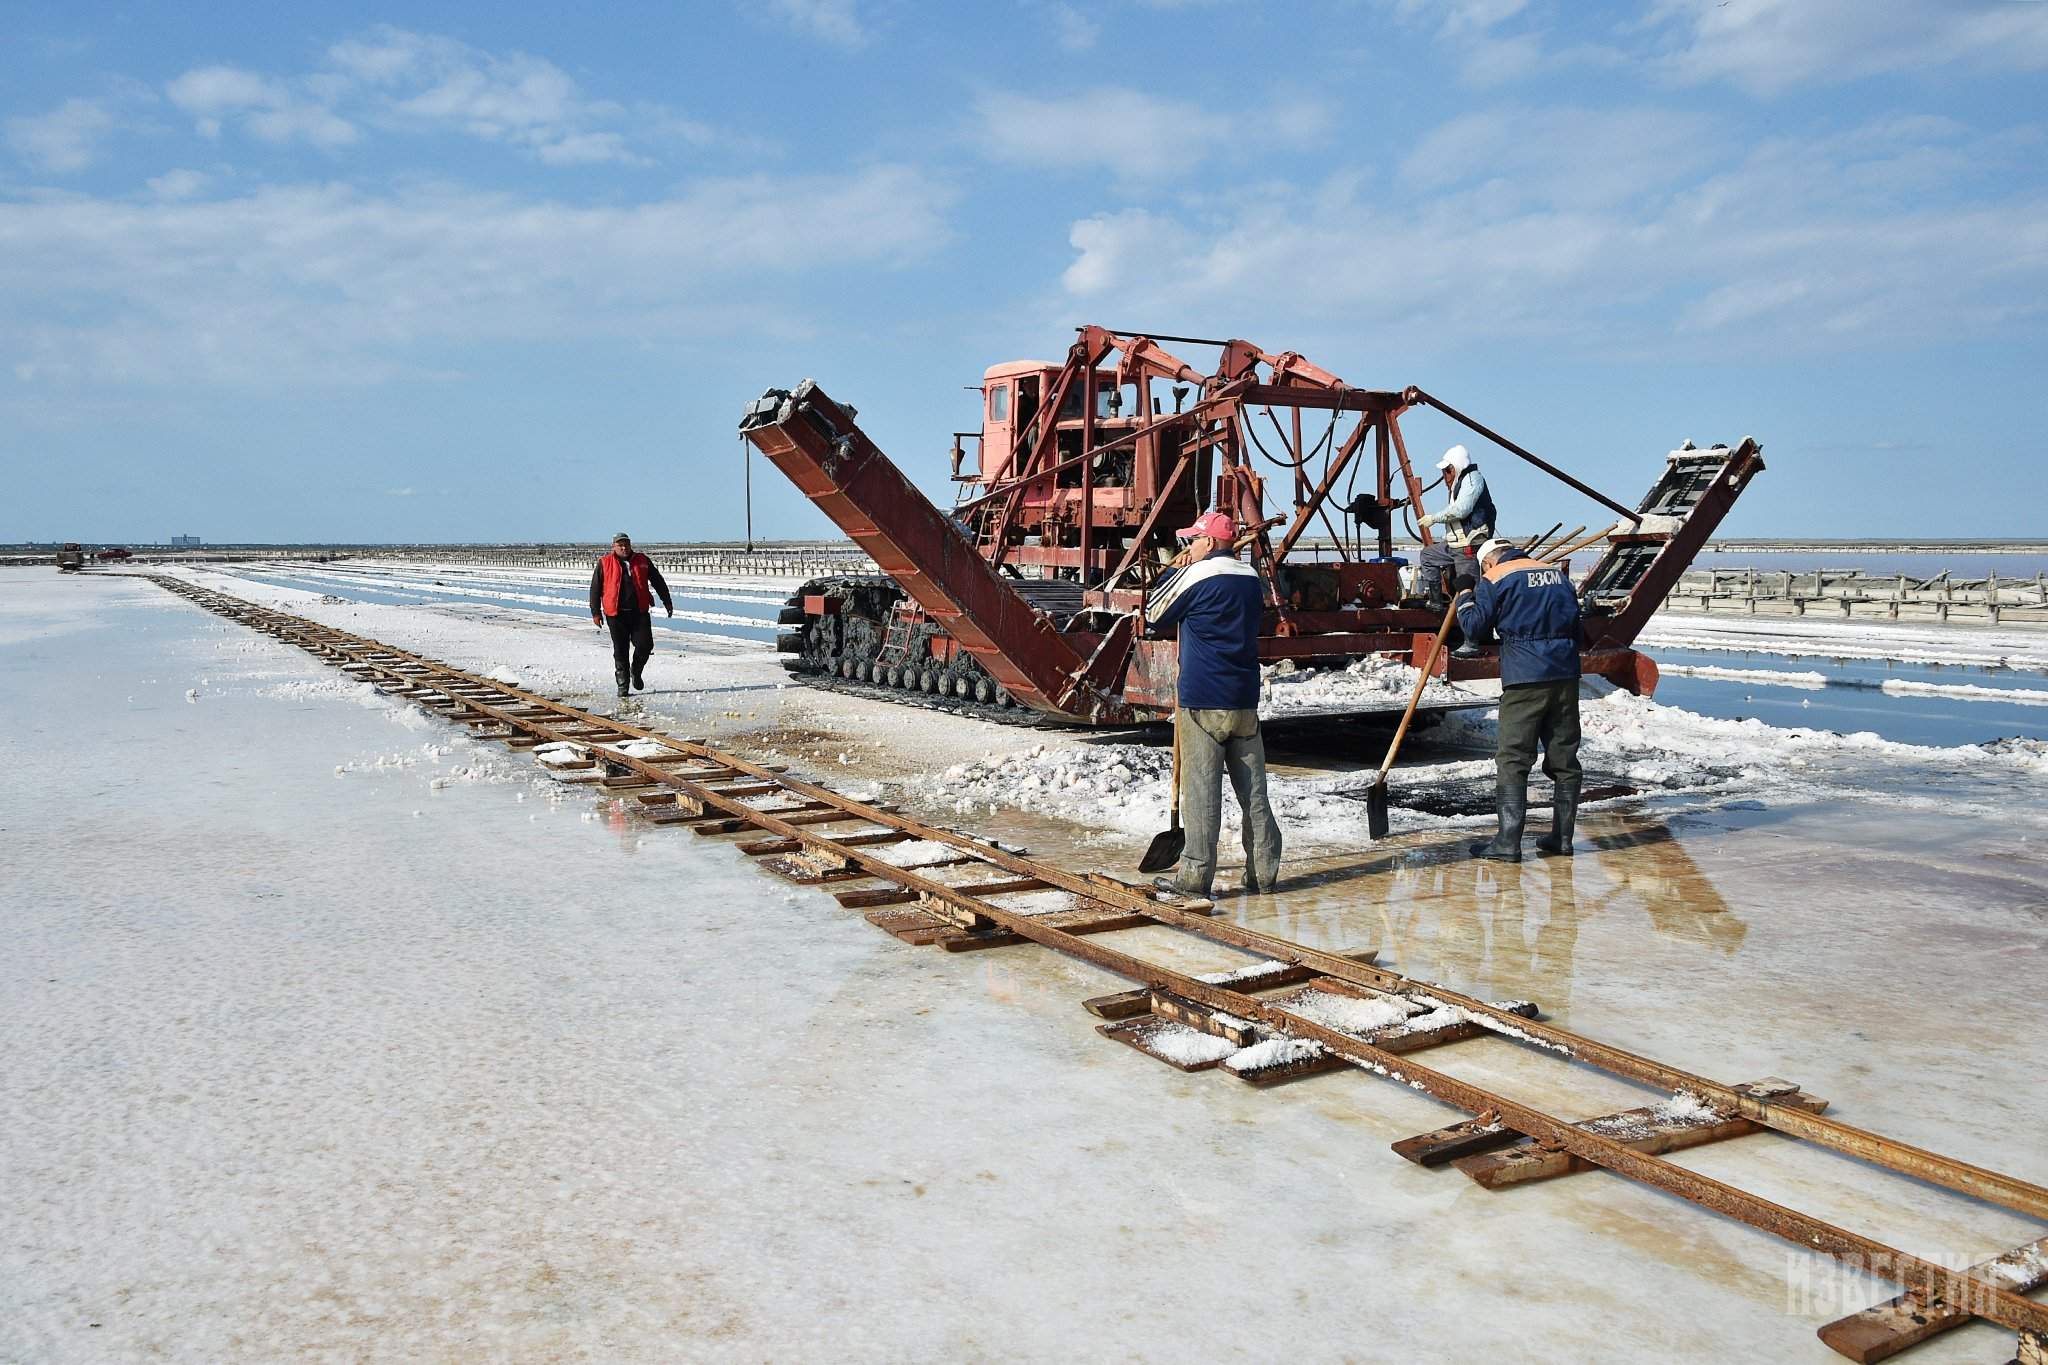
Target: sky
<point>512,272</point>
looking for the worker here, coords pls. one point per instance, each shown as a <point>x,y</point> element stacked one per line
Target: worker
<point>1215,601</point>
<point>1466,521</point>
<point>1532,607</point>
<point>622,589</point>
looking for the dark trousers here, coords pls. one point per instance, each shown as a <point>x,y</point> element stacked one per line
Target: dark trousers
<point>1437,557</point>
<point>1545,713</point>
<point>635,632</point>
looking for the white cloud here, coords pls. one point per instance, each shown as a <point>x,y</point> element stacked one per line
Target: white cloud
<point>1075,31</point>
<point>830,21</point>
<point>270,110</point>
<point>424,82</point>
<point>1563,155</point>
<point>379,59</point>
<point>301,123</point>
<point>327,284</point>
<point>1137,137</point>
<point>396,80</point>
<point>65,139</point>
<point>1898,230</point>
<point>179,184</point>
<point>1485,56</point>
<point>1764,46</point>
<point>582,149</point>
<point>224,89</point>
<point>1460,18</point>
<point>1769,46</point>
<point>494,96</point>
<point>1114,247</point>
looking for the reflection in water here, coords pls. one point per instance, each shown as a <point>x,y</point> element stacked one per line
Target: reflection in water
<point>1652,864</point>
<point>1506,929</point>
<point>618,818</point>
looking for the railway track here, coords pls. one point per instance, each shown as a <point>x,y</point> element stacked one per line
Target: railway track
<point>1291,1012</point>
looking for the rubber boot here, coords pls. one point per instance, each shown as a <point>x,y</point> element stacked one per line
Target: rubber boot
<point>619,677</point>
<point>1506,846</point>
<point>1461,647</point>
<point>1564,813</point>
<point>639,683</point>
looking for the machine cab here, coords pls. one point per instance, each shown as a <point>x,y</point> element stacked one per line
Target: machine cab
<point>1012,395</point>
<point>1010,398</point>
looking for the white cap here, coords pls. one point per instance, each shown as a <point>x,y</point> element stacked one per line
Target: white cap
<point>1493,547</point>
<point>1457,457</point>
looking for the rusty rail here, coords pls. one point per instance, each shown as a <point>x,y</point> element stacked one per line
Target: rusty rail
<point>524,717</point>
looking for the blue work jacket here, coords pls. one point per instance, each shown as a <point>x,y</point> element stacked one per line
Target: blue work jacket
<point>1216,603</point>
<point>1534,610</point>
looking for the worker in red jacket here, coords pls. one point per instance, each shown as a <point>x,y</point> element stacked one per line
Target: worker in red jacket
<point>622,589</point>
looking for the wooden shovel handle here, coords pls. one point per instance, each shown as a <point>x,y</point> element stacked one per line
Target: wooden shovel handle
<point>1174,819</point>
<point>1422,680</point>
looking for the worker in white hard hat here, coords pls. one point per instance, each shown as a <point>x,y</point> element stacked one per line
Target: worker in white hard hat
<point>1531,605</point>
<point>1466,521</point>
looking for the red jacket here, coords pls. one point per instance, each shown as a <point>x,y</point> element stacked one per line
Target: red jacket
<point>608,580</point>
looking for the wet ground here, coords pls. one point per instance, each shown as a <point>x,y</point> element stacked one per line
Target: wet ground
<point>327,1032</point>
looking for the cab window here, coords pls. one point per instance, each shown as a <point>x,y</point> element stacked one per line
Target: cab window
<point>1070,406</point>
<point>999,403</point>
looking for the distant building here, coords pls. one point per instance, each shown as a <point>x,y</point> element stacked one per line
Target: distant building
<point>186,542</point>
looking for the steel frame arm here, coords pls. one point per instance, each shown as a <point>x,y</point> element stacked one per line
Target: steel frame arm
<point>1414,397</point>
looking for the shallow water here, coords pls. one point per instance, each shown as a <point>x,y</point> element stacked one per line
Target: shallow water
<point>733,614</point>
<point>1852,697</point>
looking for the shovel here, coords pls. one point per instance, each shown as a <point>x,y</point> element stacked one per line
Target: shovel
<point>1376,795</point>
<point>1168,843</point>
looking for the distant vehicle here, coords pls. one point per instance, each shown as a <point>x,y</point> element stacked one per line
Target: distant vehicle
<point>114,553</point>
<point>71,558</point>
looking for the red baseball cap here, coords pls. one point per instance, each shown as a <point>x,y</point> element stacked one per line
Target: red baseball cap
<point>1214,525</point>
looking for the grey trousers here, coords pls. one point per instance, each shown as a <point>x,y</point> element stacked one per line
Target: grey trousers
<point>1212,743</point>
<point>1437,556</point>
<point>1545,713</point>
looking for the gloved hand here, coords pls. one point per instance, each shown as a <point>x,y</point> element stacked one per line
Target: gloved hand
<point>1464,583</point>
<point>597,620</point>
<point>671,611</point>
<point>1430,518</point>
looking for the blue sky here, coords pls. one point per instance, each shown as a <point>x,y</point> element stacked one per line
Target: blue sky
<point>511,272</point>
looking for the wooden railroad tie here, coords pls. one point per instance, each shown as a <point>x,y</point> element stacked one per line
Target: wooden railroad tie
<point>1882,1331</point>
<point>1677,1123</point>
<point>1260,1055</point>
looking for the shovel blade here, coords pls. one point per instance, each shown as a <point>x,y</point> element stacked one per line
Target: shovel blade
<point>1165,850</point>
<point>1376,810</point>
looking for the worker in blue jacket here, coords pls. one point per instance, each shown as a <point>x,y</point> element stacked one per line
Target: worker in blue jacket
<point>1215,601</point>
<point>1534,610</point>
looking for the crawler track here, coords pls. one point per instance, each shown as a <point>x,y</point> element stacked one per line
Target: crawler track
<point>964,892</point>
